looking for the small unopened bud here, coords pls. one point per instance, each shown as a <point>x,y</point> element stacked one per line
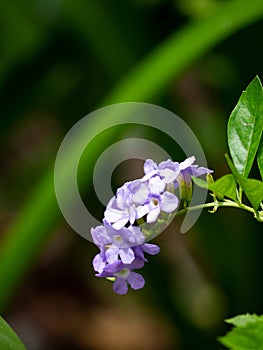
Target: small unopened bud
<point>209,179</point>
<point>185,187</point>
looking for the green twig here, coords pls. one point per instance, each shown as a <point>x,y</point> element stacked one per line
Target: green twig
<point>226,203</point>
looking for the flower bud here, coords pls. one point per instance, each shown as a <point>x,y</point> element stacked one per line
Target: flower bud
<point>185,186</point>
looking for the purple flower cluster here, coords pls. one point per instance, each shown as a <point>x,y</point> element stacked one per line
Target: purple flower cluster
<point>122,242</point>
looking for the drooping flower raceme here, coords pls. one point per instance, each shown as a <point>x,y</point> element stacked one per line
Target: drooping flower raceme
<point>120,239</point>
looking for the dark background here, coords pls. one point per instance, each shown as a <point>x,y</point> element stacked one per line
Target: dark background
<point>58,60</point>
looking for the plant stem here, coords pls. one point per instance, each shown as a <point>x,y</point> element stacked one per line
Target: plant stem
<point>216,204</point>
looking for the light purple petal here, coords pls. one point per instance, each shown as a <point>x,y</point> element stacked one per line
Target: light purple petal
<point>138,263</point>
<point>126,255</point>
<point>98,263</point>
<point>156,185</point>
<point>100,236</point>
<point>169,202</point>
<point>112,254</point>
<point>200,171</point>
<point>167,164</point>
<point>153,215</point>
<point>139,236</point>
<point>127,237</point>
<point>97,233</point>
<point>113,215</point>
<point>120,286</point>
<point>186,176</point>
<point>132,214</point>
<point>151,249</point>
<point>186,163</point>
<point>112,203</point>
<point>169,175</point>
<point>122,238</point>
<point>111,269</point>
<point>136,280</point>
<point>148,176</point>
<point>141,194</point>
<point>120,224</point>
<point>149,166</point>
<point>143,210</point>
<point>124,196</point>
<point>133,236</point>
<point>139,252</point>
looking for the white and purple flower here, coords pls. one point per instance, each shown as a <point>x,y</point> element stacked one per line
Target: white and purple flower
<point>158,200</point>
<point>116,244</point>
<point>121,242</point>
<point>123,275</point>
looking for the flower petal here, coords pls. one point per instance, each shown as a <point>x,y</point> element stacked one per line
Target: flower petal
<point>126,255</point>
<point>149,166</point>
<point>111,269</point>
<point>143,210</point>
<point>200,171</point>
<point>100,236</point>
<point>151,249</point>
<point>156,185</point>
<point>98,263</point>
<point>169,202</point>
<point>136,280</point>
<point>120,224</point>
<point>132,214</point>
<point>112,254</point>
<point>141,194</point>
<point>113,215</point>
<point>120,286</point>
<point>186,163</point>
<point>137,234</point>
<point>153,215</point>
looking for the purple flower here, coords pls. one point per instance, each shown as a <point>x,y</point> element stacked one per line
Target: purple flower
<point>187,169</point>
<point>116,243</point>
<point>124,275</point>
<point>138,192</point>
<point>148,248</point>
<point>158,200</point>
<point>167,170</point>
<point>122,208</point>
<point>184,179</point>
<point>119,214</point>
<point>122,248</point>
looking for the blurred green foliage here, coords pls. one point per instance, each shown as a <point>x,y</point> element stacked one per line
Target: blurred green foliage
<point>59,61</point>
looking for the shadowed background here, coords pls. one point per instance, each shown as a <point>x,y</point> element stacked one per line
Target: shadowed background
<point>59,61</point>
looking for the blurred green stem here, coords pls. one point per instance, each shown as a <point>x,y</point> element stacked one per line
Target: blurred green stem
<point>26,236</point>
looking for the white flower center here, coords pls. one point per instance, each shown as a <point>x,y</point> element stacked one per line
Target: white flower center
<point>123,273</point>
<point>118,239</point>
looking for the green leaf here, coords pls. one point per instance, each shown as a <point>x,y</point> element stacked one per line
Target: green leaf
<point>245,127</point>
<point>252,188</point>
<point>246,335</point>
<point>199,182</point>
<point>260,157</point>
<point>242,320</point>
<point>8,338</point>
<point>225,185</point>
